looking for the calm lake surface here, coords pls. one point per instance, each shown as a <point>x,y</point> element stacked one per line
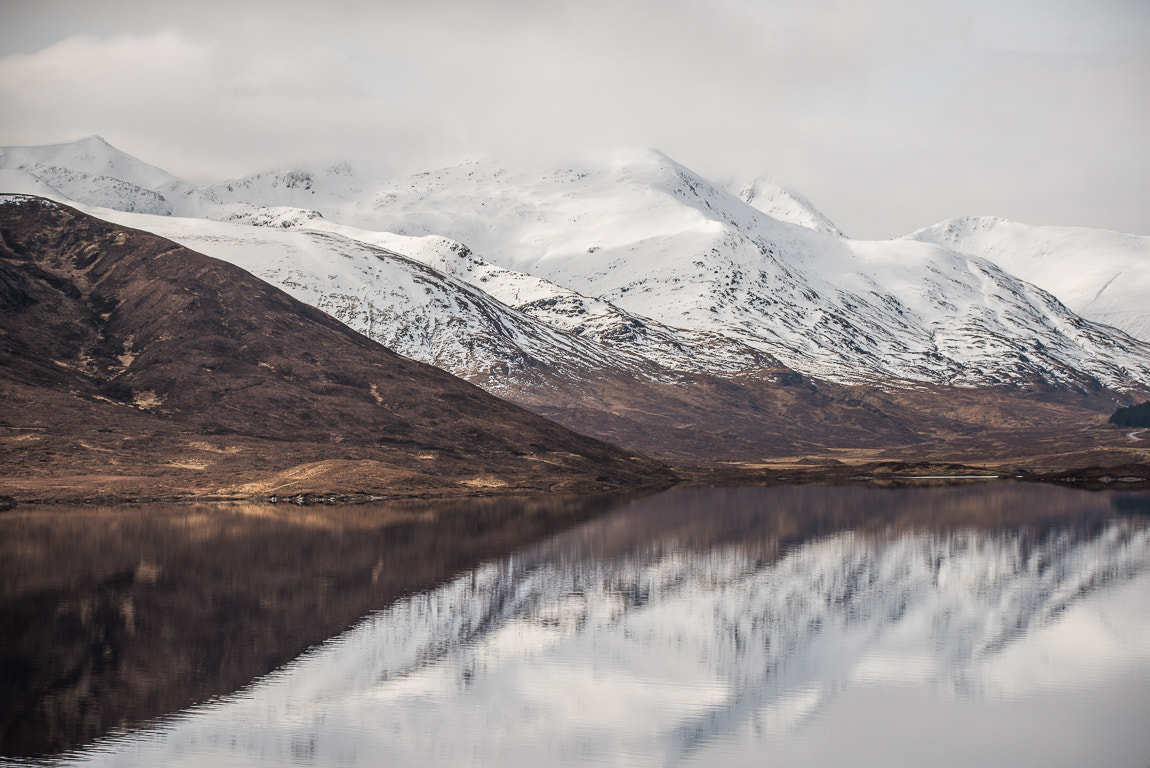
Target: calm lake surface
<point>986,623</point>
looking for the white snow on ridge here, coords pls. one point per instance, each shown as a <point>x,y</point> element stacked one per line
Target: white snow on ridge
<point>641,338</point>
<point>401,303</point>
<point>293,188</point>
<point>649,237</point>
<point>1103,276</point>
<point>646,262</point>
<point>93,172</point>
<point>783,204</point>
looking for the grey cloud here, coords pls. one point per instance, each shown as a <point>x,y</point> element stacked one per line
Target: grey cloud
<point>889,114</point>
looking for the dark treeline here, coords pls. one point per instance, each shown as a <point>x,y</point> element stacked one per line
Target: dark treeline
<point>1132,416</point>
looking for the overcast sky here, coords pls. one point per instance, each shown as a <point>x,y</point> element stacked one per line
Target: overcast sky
<point>888,114</point>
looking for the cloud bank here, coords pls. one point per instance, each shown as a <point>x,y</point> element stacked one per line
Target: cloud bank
<point>889,115</point>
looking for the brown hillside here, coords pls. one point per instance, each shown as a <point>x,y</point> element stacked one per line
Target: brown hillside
<point>130,366</point>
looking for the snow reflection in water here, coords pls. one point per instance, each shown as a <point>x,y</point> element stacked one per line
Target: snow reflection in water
<point>669,652</point>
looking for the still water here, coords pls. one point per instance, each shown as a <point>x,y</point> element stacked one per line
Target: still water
<point>997,623</point>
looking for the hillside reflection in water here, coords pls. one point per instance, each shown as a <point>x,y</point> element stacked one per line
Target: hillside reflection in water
<point>1004,623</point>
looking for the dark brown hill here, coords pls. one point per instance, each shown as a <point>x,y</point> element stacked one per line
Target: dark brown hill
<point>131,366</point>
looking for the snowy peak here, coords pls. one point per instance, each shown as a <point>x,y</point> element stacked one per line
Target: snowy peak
<point>783,204</point>
<point>1103,276</point>
<point>649,239</point>
<point>93,156</point>
<point>306,188</point>
<point>92,171</point>
<point>648,262</point>
<point>527,218</point>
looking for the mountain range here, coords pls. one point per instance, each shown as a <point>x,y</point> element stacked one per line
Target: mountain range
<point>634,300</point>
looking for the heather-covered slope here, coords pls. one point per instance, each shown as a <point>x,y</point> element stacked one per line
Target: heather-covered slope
<point>124,353</point>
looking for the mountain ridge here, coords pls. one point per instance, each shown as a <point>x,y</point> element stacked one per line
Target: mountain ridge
<point>1101,275</point>
<point>93,171</point>
<point>639,302</point>
<point>782,203</point>
<point>129,357</point>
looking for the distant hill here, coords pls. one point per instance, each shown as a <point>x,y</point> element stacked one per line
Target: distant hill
<point>93,171</point>
<point>131,366</point>
<point>1102,276</point>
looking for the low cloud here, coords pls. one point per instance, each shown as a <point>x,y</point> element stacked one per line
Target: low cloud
<point>889,115</point>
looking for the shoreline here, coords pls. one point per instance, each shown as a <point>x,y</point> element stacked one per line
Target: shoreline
<point>115,491</point>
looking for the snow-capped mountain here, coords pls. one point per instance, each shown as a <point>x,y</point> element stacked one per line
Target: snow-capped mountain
<point>1100,275</point>
<point>783,204</point>
<point>650,261</point>
<point>481,345</point>
<point>632,336</point>
<point>400,302</point>
<point>94,172</point>
<point>657,241</point>
<point>431,314</point>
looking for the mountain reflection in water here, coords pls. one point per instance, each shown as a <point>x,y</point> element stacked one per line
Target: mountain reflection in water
<point>710,625</point>
<point>113,616</point>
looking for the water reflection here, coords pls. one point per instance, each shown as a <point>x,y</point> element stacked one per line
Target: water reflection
<point>698,626</point>
<point>113,616</point>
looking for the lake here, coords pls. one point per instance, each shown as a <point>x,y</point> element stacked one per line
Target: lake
<point>997,622</point>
